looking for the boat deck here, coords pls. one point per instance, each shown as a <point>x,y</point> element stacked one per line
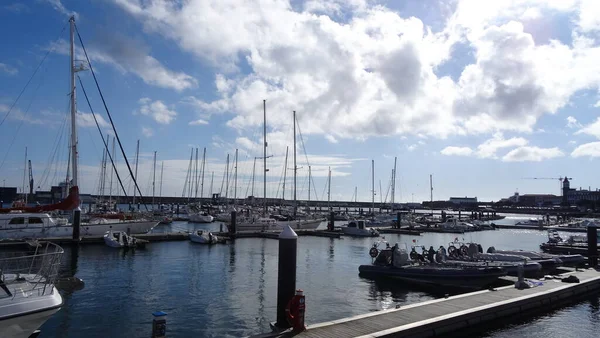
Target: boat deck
<point>441,316</point>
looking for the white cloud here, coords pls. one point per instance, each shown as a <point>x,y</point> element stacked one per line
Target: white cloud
<point>531,154</point>
<point>572,122</point>
<point>17,7</point>
<point>87,120</point>
<point>458,151</point>
<point>597,104</point>
<point>331,139</point>
<point>368,71</point>
<point>411,147</point>
<point>591,129</point>
<point>148,132</point>
<point>489,148</point>
<point>59,7</point>
<point>129,55</point>
<point>157,110</point>
<point>4,68</point>
<point>198,122</point>
<point>591,149</point>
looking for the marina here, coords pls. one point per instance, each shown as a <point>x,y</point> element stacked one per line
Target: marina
<point>298,169</point>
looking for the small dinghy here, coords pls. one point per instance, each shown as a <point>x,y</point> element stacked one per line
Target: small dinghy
<point>205,237</point>
<point>120,239</point>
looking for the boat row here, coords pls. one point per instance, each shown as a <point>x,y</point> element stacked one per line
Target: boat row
<point>460,265</point>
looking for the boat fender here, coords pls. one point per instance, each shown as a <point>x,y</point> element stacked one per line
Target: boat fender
<point>373,252</point>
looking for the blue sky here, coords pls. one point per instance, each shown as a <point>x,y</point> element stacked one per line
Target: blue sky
<point>481,96</point>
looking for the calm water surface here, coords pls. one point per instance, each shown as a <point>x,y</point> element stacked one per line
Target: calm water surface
<point>230,290</point>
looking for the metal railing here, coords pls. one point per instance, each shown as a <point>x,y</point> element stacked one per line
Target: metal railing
<point>29,272</point>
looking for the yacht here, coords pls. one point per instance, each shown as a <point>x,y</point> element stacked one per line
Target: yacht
<point>265,223</point>
<point>18,225</point>
<point>358,229</point>
<point>28,296</point>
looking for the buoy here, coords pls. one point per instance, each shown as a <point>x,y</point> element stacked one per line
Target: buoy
<point>373,252</point>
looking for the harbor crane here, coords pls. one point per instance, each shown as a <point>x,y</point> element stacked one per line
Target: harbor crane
<point>560,180</point>
<point>30,179</point>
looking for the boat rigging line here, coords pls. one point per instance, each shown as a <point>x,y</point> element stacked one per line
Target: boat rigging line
<point>109,117</point>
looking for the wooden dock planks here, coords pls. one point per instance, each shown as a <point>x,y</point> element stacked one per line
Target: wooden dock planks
<point>445,315</point>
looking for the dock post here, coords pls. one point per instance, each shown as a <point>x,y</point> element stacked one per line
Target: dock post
<point>159,324</point>
<point>592,236</point>
<point>76,223</point>
<point>398,220</point>
<point>286,274</point>
<point>331,223</point>
<point>459,212</point>
<point>520,275</point>
<point>232,228</point>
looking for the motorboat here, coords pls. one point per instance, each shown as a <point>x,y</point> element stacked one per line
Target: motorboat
<point>200,218</point>
<point>395,263</point>
<point>205,237</point>
<point>28,296</point>
<point>544,258</point>
<point>358,229</point>
<point>120,239</point>
<point>570,246</point>
<point>455,226</point>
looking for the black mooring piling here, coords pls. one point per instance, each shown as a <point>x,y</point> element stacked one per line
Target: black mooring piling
<point>286,274</point>
<point>76,223</point>
<point>331,223</point>
<point>232,226</point>
<point>592,237</point>
<point>398,220</point>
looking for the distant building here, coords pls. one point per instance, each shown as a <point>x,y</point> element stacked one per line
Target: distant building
<point>463,200</point>
<point>8,194</point>
<point>537,200</point>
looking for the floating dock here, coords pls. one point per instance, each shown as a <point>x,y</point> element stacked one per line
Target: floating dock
<point>446,315</point>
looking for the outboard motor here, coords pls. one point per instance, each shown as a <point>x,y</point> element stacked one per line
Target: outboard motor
<point>413,254</point>
<point>431,255</point>
<point>491,249</point>
<point>472,250</point>
<point>479,248</point>
<point>440,255</point>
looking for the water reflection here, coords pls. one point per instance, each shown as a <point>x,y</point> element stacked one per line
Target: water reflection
<point>331,249</point>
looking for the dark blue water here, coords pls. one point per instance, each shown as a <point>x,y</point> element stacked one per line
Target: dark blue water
<point>230,290</point>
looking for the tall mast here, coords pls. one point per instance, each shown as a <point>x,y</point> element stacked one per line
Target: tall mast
<point>265,157</point>
<point>24,174</point>
<point>112,171</point>
<point>329,190</point>
<point>162,166</point>
<point>253,175</point>
<point>203,168</point>
<point>295,167</point>
<point>212,176</point>
<point>355,194</point>
<point>373,185</point>
<point>73,108</point>
<point>137,154</point>
<point>104,159</point>
<point>235,177</point>
<point>285,172</point>
<point>227,178</point>
<point>196,175</point>
<point>431,188</point>
<point>394,183</point>
<point>153,179</point>
<point>309,181</point>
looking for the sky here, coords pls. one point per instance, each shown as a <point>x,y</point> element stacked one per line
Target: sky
<point>484,96</point>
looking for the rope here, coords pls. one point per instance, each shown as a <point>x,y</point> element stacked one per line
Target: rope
<point>109,116</point>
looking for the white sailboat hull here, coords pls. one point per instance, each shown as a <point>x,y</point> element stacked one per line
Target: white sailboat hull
<point>197,218</point>
<point>279,225</point>
<point>24,326</point>
<point>86,229</point>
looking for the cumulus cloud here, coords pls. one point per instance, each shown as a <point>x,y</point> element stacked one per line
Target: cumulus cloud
<point>87,120</point>
<point>148,132</point>
<point>572,122</point>
<point>531,154</point>
<point>4,68</point>
<point>198,122</point>
<point>457,151</point>
<point>489,148</point>
<point>157,110</point>
<point>129,55</point>
<point>591,149</point>
<point>369,71</point>
<point>592,129</point>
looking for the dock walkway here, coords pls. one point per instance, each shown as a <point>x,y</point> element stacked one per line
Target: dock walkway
<point>441,316</point>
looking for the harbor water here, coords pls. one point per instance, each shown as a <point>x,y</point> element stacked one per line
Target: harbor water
<point>230,290</point>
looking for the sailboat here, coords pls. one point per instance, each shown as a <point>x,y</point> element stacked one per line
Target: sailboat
<point>265,222</point>
<point>35,222</point>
